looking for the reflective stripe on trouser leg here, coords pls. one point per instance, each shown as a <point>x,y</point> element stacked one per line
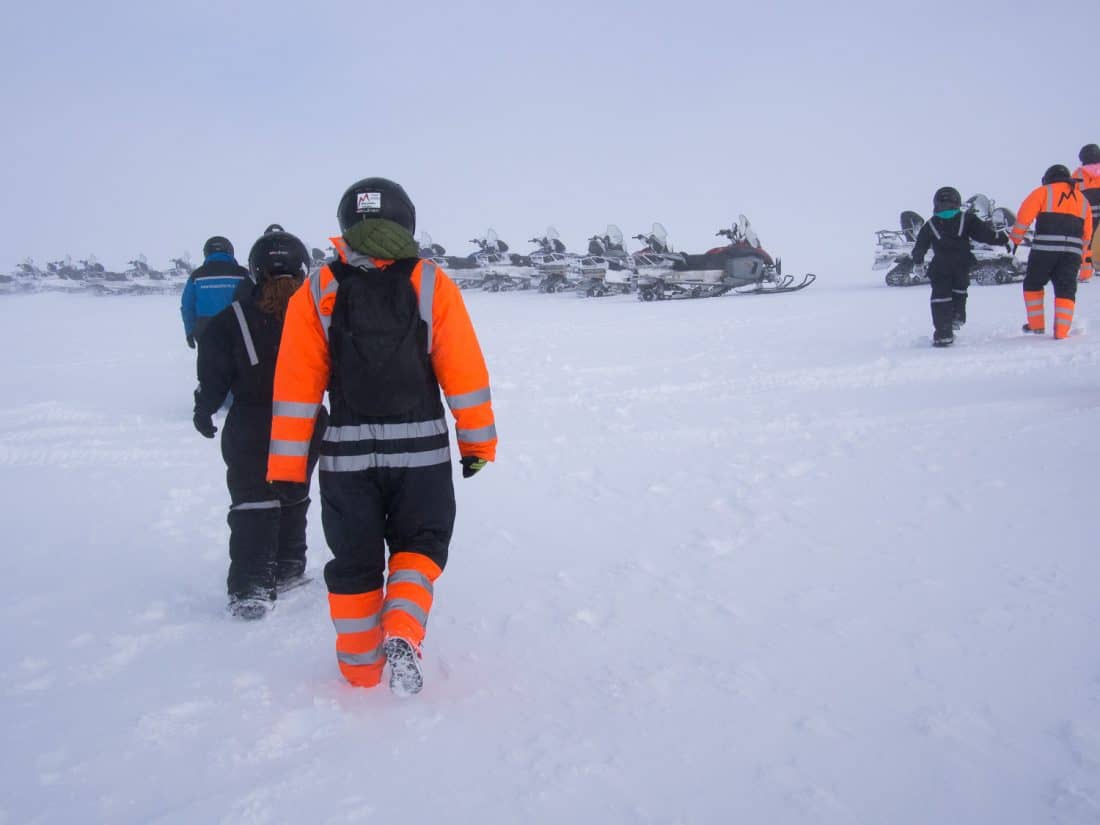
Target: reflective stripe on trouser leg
<point>358,622</point>
<point>1033,303</point>
<point>409,594</point>
<point>1063,317</point>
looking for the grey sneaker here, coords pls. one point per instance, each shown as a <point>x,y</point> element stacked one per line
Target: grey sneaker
<point>404,661</point>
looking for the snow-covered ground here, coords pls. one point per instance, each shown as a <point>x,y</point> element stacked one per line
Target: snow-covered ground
<point>753,559</point>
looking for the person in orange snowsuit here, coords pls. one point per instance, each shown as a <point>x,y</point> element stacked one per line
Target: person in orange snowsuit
<point>1063,231</point>
<point>382,331</point>
<point>1088,176</point>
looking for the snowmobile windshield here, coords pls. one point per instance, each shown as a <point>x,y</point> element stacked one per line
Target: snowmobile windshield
<point>615,235</point>
<point>980,205</point>
<point>425,240</point>
<point>660,236</point>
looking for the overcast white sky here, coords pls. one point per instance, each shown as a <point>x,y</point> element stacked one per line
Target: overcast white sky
<point>148,126</point>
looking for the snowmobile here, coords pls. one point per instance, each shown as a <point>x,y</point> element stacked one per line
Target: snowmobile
<point>607,269</point>
<point>465,272</point>
<point>26,277</point>
<point>553,265</point>
<point>741,267</point>
<point>893,248</point>
<point>502,270</point>
<point>993,264</point>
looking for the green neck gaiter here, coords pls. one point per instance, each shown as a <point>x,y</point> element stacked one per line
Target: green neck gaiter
<point>947,214</point>
<point>381,238</point>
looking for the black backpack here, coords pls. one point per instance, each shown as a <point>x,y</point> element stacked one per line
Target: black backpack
<point>378,342</point>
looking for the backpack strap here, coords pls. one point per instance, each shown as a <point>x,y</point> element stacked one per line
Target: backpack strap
<point>427,296</point>
<point>932,226</point>
<point>249,346</point>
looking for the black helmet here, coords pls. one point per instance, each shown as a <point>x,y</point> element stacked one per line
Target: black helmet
<point>217,244</point>
<point>274,228</point>
<point>376,198</point>
<point>1089,154</point>
<point>1057,174</point>
<point>946,197</point>
<point>278,255</point>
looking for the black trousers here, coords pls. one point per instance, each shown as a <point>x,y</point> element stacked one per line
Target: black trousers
<point>949,292</point>
<point>267,524</point>
<point>1060,267</point>
<point>408,509</point>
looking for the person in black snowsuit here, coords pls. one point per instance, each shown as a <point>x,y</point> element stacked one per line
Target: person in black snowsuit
<point>237,353</point>
<point>949,233</point>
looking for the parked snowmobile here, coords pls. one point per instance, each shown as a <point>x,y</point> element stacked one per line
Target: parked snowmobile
<point>465,272</point>
<point>607,269</point>
<point>553,265</point>
<point>502,270</point>
<point>993,264</point>
<point>893,248</point>
<point>741,267</point>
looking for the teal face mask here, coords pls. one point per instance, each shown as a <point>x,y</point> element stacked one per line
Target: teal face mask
<point>947,214</point>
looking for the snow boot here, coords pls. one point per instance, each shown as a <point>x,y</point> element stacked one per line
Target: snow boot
<point>957,324</point>
<point>249,608</point>
<point>1040,331</point>
<point>403,658</point>
<point>943,339</point>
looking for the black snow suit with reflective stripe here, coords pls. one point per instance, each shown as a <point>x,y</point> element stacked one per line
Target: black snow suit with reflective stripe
<point>267,543</point>
<point>949,270</point>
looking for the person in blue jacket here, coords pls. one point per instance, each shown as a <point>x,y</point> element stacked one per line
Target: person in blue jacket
<point>211,287</point>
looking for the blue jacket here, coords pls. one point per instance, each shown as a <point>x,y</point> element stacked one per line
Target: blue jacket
<point>209,290</point>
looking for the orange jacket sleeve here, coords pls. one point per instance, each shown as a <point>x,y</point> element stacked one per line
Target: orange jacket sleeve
<point>460,368</point>
<point>301,377</point>
<point>1027,213</point>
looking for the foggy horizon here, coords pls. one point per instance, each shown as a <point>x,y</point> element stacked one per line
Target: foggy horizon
<point>145,129</point>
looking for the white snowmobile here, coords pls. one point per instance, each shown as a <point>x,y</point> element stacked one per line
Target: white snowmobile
<point>742,267</point>
<point>502,270</point>
<point>607,269</point>
<point>554,267</point>
<point>465,272</point>
<point>993,264</point>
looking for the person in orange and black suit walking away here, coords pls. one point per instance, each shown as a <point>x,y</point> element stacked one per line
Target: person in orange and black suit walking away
<point>383,331</point>
<point>237,352</point>
<point>1088,175</point>
<point>1063,231</point>
<point>949,232</point>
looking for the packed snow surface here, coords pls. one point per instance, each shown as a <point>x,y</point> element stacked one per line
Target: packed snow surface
<point>748,559</point>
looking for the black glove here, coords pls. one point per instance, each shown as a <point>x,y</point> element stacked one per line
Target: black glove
<point>191,341</point>
<point>204,424</point>
<point>471,464</point>
<point>1010,246</point>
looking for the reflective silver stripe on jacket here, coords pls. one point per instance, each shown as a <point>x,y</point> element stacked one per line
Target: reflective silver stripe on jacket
<point>294,448</point>
<point>248,345</point>
<point>410,576</point>
<point>468,399</point>
<point>371,657</point>
<point>477,436</point>
<point>294,409</point>
<point>427,296</point>
<point>274,504</point>
<point>932,227</point>
<point>357,625</point>
<point>319,294</point>
<point>942,300</point>
<point>1074,249</point>
<point>370,461</point>
<point>407,606</point>
<point>386,432</point>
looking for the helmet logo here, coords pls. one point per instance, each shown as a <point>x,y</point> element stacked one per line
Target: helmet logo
<point>368,202</point>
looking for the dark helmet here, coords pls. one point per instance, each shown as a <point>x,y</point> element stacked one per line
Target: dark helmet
<point>274,228</point>
<point>278,255</point>
<point>217,244</point>
<point>1089,154</point>
<point>376,198</point>
<point>1057,174</point>
<point>946,197</point>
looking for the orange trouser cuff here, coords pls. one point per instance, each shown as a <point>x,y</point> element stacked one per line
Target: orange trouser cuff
<point>409,596</point>
<point>1033,303</point>
<point>358,621</point>
<point>1063,317</point>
